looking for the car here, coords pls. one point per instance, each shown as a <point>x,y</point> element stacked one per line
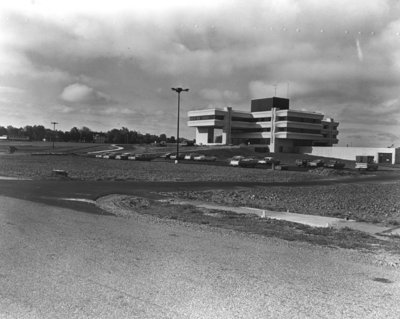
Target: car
<point>208,159</point>
<point>143,157</point>
<point>99,155</point>
<point>179,157</point>
<point>302,162</point>
<point>268,161</point>
<point>132,157</point>
<point>123,156</point>
<point>235,160</point>
<point>199,157</point>
<point>282,167</point>
<point>106,155</point>
<point>113,155</point>
<point>316,163</point>
<point>248,162</point>
<point>335,164</point>
<point>166,155</point>
<point>190,156</point>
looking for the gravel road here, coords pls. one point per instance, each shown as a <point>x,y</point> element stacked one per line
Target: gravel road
<point>61,263</point>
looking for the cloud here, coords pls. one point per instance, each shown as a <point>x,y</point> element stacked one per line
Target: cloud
<point>218,96</point>
<point>81,93</point>
<point>226,52</point>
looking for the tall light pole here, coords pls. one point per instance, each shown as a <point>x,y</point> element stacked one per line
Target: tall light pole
<point>178,90</point>
<point>54,131</point>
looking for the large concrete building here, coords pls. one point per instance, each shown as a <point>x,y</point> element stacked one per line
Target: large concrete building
<point>270,123</point>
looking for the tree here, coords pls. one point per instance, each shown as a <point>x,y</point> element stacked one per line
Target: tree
<point>86,135</point>
<point>3,131</point>
<point>75,134</point>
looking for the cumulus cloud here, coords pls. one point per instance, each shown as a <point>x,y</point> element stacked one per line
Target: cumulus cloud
<point>81,93</point>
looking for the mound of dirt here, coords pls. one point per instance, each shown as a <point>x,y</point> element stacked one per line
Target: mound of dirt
<point>122,205</point>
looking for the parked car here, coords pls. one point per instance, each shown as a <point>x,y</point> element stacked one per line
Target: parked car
<point>99,155</point>
<point>235,160</point>
<point>316,163</point>
<point>132,157</point>
<point>166,155</point>
<point>335,164</point>
<point>190,156</point>
<point>113,155</point>
<point>268,161</point>
<point>248,162</point>
<point>209,159</point>
<point>123,156</point>
<point>302,162</point>
<point>143,157</point>
<point>106,155</point>
<point>180,157</point>
<point>282,167</point>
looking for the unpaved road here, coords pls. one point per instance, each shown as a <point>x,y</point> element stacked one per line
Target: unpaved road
<point>62,263</point>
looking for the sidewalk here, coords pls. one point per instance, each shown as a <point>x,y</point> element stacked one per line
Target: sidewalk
<point>310,220</point>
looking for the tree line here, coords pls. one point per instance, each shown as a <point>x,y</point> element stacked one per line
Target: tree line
<point>84,135</point>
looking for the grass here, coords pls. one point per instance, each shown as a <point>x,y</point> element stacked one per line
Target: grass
<point>252,224</point>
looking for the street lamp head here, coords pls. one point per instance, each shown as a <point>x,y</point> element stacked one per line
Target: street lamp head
<point>179,90</point>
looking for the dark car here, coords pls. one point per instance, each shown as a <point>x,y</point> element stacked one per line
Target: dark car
<point>248,162</point>
<point>316,163</point>
<point>302,162</point>
<point>335,164</point>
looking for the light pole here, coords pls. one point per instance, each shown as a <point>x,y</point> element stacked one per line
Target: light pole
<point>178,90</point>
<point>54,131</point>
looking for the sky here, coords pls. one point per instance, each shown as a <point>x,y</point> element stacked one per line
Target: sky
<point>112,64</point>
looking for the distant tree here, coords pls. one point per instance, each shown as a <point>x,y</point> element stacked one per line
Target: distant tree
<point>39,132</point>
<point>12,131</point>
<point>86,135</point>
<point>3,131</point>
<point>75,134</point>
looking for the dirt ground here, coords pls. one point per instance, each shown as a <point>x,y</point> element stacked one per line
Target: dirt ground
<point>368,202</point>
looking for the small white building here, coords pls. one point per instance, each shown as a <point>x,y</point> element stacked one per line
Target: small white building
<point>270,123</point>
<point>389,155</point>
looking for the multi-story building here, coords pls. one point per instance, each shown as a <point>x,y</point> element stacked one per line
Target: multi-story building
<point>270,123</point>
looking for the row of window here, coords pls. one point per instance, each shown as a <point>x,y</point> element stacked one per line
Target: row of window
<point>325,127</point>
<point>298,130</point>
<point>261,119</point>
<point>206,117</point>
<point>298,119</point>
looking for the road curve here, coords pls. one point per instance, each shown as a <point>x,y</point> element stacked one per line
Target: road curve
<point>62,263</point>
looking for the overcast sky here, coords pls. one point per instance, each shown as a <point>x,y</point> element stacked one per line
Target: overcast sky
<point>108,64</point>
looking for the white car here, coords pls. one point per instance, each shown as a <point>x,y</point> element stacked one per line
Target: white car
<point>199,158</point>
<point>190,156</point>
<point>235,160</point>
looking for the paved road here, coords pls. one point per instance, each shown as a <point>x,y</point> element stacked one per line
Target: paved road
<point>62,263</point>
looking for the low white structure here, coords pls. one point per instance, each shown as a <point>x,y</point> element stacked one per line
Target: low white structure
<point>389,155</point>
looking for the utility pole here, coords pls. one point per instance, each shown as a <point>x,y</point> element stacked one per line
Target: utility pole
<point>54,131</point>
<point>178,90</point>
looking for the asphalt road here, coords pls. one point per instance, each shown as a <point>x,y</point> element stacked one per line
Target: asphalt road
<point>64,263</point>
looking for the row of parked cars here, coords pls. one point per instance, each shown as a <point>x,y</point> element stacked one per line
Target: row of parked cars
<point>149,157</point>
<point>190,157</point>
<point>241,161</point>
<point>126,156</point>
<point>320,163</point>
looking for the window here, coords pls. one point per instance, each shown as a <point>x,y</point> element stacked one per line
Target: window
<point>206,117</point>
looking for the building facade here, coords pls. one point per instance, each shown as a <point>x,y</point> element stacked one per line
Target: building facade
<point>269,123</point>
